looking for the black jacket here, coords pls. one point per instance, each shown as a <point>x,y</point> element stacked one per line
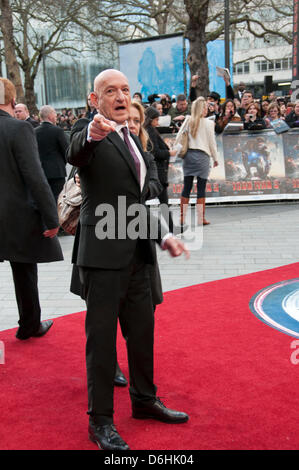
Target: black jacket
<point>256,125</point>
<point>52,147</point>
<point>27,206</point>
<point>107,172</point>
<point>160,151</point>
<point>33,122</point>
<point>292,119</point>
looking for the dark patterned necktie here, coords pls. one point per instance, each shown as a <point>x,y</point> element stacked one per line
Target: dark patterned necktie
<point>132,151</point>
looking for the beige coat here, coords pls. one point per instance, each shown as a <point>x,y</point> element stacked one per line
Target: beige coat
<point>205,138</point>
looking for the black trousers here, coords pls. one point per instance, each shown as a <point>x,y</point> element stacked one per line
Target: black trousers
<point>25,279</point>
<point>56,185</point>
<point>113,294</point>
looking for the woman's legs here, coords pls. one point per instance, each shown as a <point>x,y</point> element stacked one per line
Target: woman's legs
<point>188,182</point>
<point>201,201</point>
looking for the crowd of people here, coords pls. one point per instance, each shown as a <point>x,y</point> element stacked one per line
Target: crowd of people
<point>117,149</point>
<point>166,114</point>
<point>240,106</point>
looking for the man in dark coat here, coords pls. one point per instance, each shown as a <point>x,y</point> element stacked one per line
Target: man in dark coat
<point>22,113</point>
<point>52,146</point>
<point>28,214</point>
<point>114,176</point>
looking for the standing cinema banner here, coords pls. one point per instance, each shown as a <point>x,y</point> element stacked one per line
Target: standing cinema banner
<point>252,166</point>
<point>158,65</point>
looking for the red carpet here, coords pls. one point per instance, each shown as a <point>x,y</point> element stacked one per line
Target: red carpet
<point>214,360</point>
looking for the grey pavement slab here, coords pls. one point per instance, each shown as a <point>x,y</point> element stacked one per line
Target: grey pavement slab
<point>241,239</point>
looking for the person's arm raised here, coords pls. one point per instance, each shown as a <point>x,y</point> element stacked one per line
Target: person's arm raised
<point>85,135</point>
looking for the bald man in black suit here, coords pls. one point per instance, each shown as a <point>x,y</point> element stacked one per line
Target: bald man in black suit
<point>114,269</point>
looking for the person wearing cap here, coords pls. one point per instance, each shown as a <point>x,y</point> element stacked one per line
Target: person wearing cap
<point>213,100</point>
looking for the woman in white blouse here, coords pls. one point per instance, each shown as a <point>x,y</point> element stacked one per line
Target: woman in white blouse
<point>201,148</point>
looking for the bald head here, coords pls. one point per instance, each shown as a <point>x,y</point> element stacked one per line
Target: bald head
<point>105,75</point>
<point>111,96</point>
<point>21,111</point>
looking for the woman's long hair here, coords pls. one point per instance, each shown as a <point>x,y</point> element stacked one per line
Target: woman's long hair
<point>225,104</point>
<point>143,135</point>
<point>197,113</point>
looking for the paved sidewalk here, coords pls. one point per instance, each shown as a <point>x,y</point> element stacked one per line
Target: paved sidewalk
<point>241,239</point>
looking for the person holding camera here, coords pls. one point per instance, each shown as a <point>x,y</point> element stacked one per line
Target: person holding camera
<point>252,118</point>
<point>273,114</point>
<point>213,100</point>
<point>227,114</point>
<point>180,111</point>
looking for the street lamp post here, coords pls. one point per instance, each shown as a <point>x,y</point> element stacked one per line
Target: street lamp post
<point>44,71</point>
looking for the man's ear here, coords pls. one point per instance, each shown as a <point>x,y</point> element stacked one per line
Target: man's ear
<point>13,103</point>
<point>94,100</point>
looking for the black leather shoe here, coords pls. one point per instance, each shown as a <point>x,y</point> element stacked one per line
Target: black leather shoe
<point>106,437</point>
<point>119,379</point>
<point>43,329</point>
<point>158,410</point>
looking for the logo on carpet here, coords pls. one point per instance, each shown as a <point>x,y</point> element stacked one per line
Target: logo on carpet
<point>278,306</point>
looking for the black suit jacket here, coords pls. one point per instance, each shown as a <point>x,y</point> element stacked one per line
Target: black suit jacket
<point>33,122</point>
<point>52,147</point>
<point>27,206</point>
<point>160,151</point>
<point>107,172</point>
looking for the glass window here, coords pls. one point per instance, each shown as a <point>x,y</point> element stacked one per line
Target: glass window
<point>257,66</point>
<point>65,83</point>
<point>246,67</point>
<point>241,68</point>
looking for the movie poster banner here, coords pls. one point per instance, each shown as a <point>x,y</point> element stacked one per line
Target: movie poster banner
<point>252,166</point>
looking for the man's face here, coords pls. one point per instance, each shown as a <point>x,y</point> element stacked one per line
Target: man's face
<point>53,117</point>
<point>21,112</point>
<point>247,98</point>
<point>182,105</point>
<point>112,96</point>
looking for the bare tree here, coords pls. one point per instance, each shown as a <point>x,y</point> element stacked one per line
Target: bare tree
<point>35,29</point>
<point>12,66</point>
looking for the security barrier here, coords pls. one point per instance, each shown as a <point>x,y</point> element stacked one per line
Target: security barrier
<point>252,166</point>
